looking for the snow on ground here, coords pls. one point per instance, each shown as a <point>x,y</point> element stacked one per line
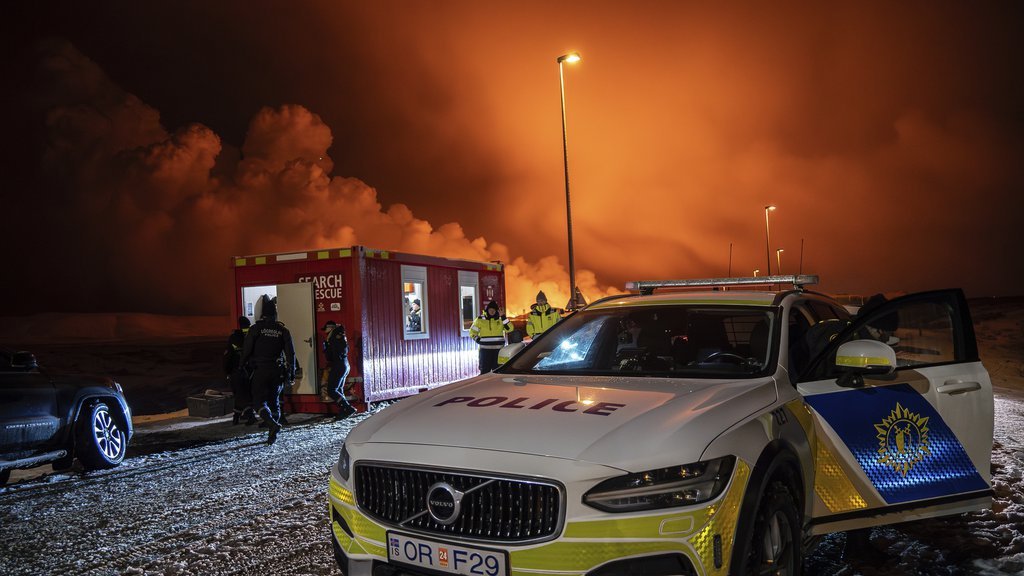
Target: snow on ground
<point>232,505</point>
<point>235,506</point>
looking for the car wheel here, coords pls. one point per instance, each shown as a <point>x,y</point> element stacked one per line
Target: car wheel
<point>101,443</point>
<point>775,546</point>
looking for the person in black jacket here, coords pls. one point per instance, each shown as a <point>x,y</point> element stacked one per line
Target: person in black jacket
<point>336,351</point>
<point>270,354</point>
<point>414,322</point>
<point>237,377</point>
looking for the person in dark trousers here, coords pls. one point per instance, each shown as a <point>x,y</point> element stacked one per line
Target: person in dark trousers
<point>270,354</point>
<point>336,350</point>
<point>488,330</point>
<point>237,377</point>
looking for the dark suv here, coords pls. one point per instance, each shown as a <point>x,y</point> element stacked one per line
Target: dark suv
<point>46,419</point>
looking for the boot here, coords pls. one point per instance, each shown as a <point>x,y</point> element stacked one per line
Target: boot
<point>235,418</point>
<point>283,420</point>
<point>344,411</point>
<point>271,424</point>
<point>274,429</point>
<point>251,419</point>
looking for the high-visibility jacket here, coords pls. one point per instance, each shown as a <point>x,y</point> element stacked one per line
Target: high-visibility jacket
<point>489,332</point>
<point>542,317</point>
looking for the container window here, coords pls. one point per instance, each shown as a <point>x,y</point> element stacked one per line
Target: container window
<point>469,299</point>
<point>415,307</point>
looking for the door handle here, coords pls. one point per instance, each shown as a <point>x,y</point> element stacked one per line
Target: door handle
<point>309,341</point>
<point>958,387</point>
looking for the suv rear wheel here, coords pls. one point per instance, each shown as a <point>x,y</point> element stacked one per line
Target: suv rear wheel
<point>100,443</point>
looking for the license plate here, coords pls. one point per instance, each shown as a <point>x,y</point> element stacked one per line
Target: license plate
<point>446,557</point>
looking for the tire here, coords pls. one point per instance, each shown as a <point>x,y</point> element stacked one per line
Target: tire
<point>100,443</point>
<point>5,475</point>
<point>775,543</point>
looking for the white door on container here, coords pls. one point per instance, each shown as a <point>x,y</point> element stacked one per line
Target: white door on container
<point>295,310</point>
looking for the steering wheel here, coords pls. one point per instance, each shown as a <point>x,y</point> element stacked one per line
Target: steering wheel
<point>725,357</point>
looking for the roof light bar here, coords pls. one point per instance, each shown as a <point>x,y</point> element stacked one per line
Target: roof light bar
<point>649,286</point>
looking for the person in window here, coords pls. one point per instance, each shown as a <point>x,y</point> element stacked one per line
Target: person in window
<point>629,336</point>
<point>336,351</point>
<point>541,317</point>
<point>489,331</point>
<point>414,322</point>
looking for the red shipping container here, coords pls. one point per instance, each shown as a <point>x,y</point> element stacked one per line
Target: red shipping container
<point>373,293</point>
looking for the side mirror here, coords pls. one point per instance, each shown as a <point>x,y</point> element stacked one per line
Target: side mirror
<point>861,358</point>
<point>24,361</point>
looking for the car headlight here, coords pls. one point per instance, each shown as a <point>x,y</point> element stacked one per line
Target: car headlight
<point>662,488</point>
<point>343,463</point>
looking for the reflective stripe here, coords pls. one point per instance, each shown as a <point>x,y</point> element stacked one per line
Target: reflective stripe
<point>862,361</point>
<point>831,482</point>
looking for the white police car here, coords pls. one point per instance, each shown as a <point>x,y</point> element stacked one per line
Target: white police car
<point>679,432</point>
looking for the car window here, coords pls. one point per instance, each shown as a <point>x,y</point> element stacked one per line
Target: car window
<point>670,341</point>
<point>922,331</point>
<point>823,311</point>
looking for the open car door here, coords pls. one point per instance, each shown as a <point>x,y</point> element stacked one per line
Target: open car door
<point>901,413</point>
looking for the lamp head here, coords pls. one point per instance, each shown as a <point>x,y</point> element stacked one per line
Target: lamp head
<point>570,58</point>
<point>769,208</point>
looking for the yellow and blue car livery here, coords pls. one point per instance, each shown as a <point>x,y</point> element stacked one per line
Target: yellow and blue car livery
<point>713,444</point>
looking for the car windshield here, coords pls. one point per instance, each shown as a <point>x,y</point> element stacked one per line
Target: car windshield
<point>679,341</point>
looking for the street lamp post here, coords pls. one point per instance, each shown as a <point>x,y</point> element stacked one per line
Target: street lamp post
<point>768,238</point>
<point>570,58</point>
<point>778,257</point>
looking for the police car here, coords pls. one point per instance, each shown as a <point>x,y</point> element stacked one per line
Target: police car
<point>716,431</point>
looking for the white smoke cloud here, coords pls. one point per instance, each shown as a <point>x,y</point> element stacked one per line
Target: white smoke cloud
<point>148,204</point>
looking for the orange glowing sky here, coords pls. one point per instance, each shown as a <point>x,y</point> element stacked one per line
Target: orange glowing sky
<point>150,141</point>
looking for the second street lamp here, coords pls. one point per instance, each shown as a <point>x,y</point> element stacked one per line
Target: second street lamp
<point>570,58</point>
<point>778,258</point>
<point>768,238</point>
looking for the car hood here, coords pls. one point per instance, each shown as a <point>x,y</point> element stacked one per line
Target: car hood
<point>627,423</point>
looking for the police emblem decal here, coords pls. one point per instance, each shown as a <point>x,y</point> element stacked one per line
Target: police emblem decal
<point>902,440</point>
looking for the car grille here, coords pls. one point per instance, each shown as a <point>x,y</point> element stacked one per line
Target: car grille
<point>493,509</point>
